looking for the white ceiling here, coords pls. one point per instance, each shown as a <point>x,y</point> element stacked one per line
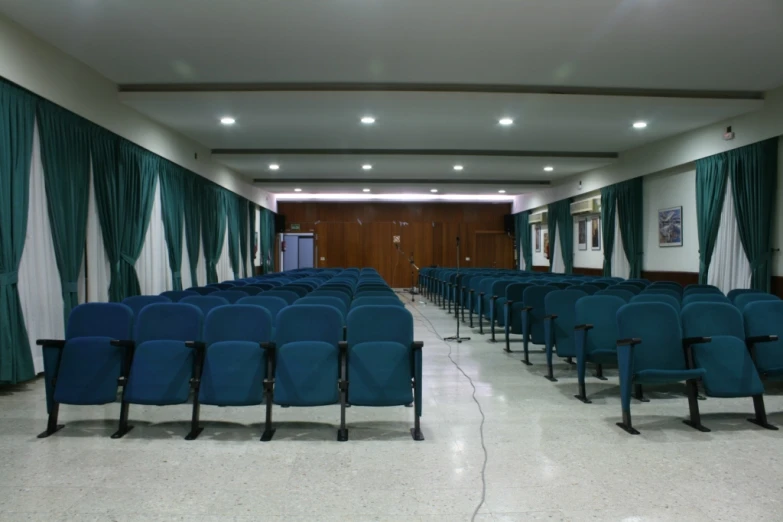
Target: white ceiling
<point>180,45</point>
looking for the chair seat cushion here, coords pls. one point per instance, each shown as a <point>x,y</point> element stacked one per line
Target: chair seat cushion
<point>160,373</point>
<point>667,376</point>
<point>730,371</point>
<point>379,374</point>
<point>88,372</point>
<point>306,374</point>
<point>233,374</point>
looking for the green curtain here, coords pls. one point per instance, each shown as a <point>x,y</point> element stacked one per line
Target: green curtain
<point>711,176</point>
<point>213,227</point>
<point>262,242</point>
<point>17,116</point>
<point>65,154</point>
<point>125,177</point>
<point>193,186</point>
<point>631,214</point>
<point>523,238</point>
<point>232,217</point>
<point>172,197</point>
<point>255,210</point>
<point>551,226</point>
<point>565,227</point>
<point>608,209</point>
<point>270,241</point>
<point>753,173</point>
<point>244,225</point>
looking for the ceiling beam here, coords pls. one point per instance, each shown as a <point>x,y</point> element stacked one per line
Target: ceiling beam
<point>417,152</point>
<point>413,181</point>
<point>476,88</point>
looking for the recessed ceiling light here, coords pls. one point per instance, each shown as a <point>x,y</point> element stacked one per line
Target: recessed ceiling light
<point>458,167</point>
<point>367,167</point>
<point>639,124</point>
<point>227,120</point>
<point>433,190</point>
<point>297,190</point>
<point>365,190</point>
<point>368,120</point>
<point>274,166</point>
<point>549,168</point>
<point>501,191</point>
<point>506,121</point>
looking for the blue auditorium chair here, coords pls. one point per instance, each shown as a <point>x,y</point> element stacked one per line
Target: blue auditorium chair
<point>559,323</point>
<point>561,285</point>
<point>662,290</point>
<point>383,362</point>
<point>138,302</point>
<point>380,300</point>
<point>634,289</point>
<point>234,363</point>
<point>288,296</point>
<point>533,313</point>
<point>667,285</point>
<point>742,300</point>
<point>202,290</point>
<point>375,293</point>
<point>271,303</point>
<point>497,300</point>
<point>701,289</point>
<point>205,302</point>
<point>261,286</point>
<point>657,298</point>
<point>343,296</point>
<point>716,332</point>
<point>595,336</point>
<point>300,291</point>
<point>232,296</point>
<point>163,366</point>
<point>307,359</point>
<point>764,330</point>
<point>221,286</point>
<point>177,295</point>
<point>85,368</point>
<point>739,291</point>
<point>327,301</point>
<point>251,290</point>
<point>513,310</point>
<point>625,295</point>
<point>651,351</point>
<point>704,298</point>
<point>588,288</point>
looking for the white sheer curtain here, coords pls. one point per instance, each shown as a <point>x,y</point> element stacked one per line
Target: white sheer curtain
<point>40,293</point>
<point>98,269</point>
<point>620,265</point>
<point>729,268</point>
<point>224,271</point>
<point>558,266</point>
<point>152,267</point>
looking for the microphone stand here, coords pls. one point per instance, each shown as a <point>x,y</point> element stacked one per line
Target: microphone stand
<point>458,303</point>
<point>413,281</point>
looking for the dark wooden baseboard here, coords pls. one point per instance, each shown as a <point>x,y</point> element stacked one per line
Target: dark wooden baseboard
<point>593,272</point>
<point>776,287</point>
<point>684,278</point>
<point>540,268</point>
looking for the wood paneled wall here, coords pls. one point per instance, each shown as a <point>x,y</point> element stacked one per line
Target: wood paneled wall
<point>361,234</point>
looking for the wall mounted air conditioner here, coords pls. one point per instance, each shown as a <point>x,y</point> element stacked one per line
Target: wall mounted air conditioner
<point>539,218</point>
<point>587,206</point>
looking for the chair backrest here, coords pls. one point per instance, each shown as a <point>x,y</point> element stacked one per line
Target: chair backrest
<point>299,290</point>
<point>560,284</point>
<point>269,302</point>
<point>236,283</point>
<point>138,302</point>
<point>706,319</point>
<point>374,293</point>
<point>739,291</point>
<point>380,324</point>
<point>515,291</point>
<point>169,321</point>
<point>587,288</point>
<point>766,318</point>
<point>662,290</point>
<point>601,312</point>
<point>238,322</point>
<point>342,296</point>
<point>205,303</point>
<point>232,296</point>
<point>701,289</point>
<point>657,298</point>
<point>324,300</point>
<point>221,286</point>
<point>377,301</point>
<point>658,326</point>
<point>667,285</point>
<point>202,290</point>
<point>600,284</point>
<point>309,323</point>
<point>634,289</point>
<point>260,286</point>
<point>288,297</point>
<point>114,320</point>
<point>562,303</point>
<point>177,295</point>
<point>704,298</point>
<point>535,297</point>
<point>742,300</point>
<point>499,287</point>
<point>625,295</point>
<point>251,290</point>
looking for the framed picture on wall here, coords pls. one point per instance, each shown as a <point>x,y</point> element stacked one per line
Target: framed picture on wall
<point>537,237</point>
<point>581,226</point>
<point>670,227</point>
<point>595,233</point>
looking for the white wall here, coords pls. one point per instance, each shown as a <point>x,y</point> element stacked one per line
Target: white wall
<point>60,78</point>
<point>675,188</point>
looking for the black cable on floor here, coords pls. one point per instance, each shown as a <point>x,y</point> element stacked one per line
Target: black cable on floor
<point>483,418</point>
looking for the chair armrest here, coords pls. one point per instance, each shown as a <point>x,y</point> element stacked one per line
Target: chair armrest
<point>550,317</point>
<point>761,339</point>
<point>629,342</point>
<point>196,345</point>
<point>51,343</point>
<point>509,302</point>
<point>123,343</point>
<point>481,294</point>
<point>690,341</point>
<point>527,308</point>
<point>583,327</point>
<point>417,345</point>
<point>270,345</point>
<point>343,346</point>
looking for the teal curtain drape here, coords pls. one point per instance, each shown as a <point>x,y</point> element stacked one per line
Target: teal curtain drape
<point>608,209</point>
<point>551,226</point>
<point>631,214</point>
<point>559,217</point>
<point>17,117</point>
<point>524,238</point>
<point>753,173</point>
<point>125,178</point>
<point>213,227</point>
<point>262,239</point>
<point>65,155</point>
<point>232,218</point>
<point>192,207</point>
<point>256,215</point>
<point>172,198</point>
<point>244,225</point>
<point>711,176</point>
<point>270,241</point>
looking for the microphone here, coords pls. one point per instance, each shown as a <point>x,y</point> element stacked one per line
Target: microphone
<point>457,240</point>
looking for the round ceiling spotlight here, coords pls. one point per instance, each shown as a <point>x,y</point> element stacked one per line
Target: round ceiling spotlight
<point>297,190</point>
<point>501,191</point>
<point>549,168</point>
<point>368,120</point>
<point>458,167</point>
<point>274,166</point>
<point>227,120</point>
<point>367,167</point>
<point>639,124</point>
<point>365,190</point>
<point>506,121</point>
<point>433,190</point>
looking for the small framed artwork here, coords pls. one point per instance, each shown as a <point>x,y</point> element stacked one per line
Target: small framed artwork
<point>582,233</point>
<point>595,233</point>
<point>670,227</point>
<point>537,237</point>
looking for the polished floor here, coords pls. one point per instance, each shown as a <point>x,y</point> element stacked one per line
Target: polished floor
<point>550,457</point>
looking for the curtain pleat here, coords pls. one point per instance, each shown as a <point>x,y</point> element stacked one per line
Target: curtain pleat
<point>552,231</point>
<point>631,214</point>
<point>172,195</point>
<point>245,215</point>
<point>729,268</point>
<point>608,211</point>
<point>711,176</point>
<point>232,218</point>
<point>213,228</point>
<point>152,266</point>
<point>524,240</point>
<point>192,207</point>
